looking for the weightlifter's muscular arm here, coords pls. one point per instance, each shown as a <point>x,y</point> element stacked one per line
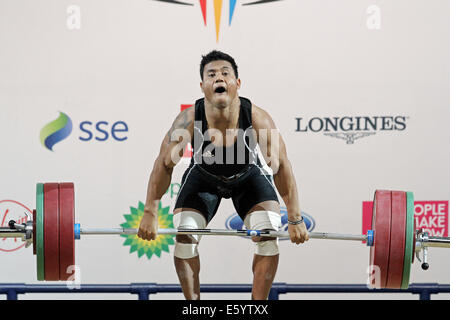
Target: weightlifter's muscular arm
<point>170,153</point>
<point>274,151</point>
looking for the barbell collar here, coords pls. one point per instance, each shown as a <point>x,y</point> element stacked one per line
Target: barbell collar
<point>436,242</point>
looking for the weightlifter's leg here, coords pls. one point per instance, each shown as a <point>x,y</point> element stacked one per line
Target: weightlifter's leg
<point>265,260</point>
<point>188,274</point>
<point>186,258</point>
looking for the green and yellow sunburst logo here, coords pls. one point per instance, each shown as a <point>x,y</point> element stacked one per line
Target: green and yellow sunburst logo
<point>161,243</point>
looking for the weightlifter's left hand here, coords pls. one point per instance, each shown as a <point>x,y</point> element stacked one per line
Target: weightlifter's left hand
<point>298,233</point>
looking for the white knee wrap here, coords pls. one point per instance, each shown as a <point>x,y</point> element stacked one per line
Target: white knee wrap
<point>188,220</point>
<point>260,220</point>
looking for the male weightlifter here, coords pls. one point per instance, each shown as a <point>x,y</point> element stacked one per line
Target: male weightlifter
<point>229,134</point>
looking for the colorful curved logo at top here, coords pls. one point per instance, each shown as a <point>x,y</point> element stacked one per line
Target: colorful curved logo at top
<point>56,131</point>
<point>218,5</point>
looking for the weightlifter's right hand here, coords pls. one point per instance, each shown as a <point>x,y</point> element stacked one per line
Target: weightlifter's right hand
<point>148,228</point>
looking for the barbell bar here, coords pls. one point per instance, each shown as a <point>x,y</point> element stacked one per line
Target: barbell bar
<point>222,232</point>
<point>392,242</point>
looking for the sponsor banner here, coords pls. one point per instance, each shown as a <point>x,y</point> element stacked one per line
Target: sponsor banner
<point>100,131</point>
<point>350,128</point>
<point>432,216</point>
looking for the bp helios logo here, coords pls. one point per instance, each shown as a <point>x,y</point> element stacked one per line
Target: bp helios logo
<point>218,8</point>
<point>144,247</point>
<point>56,131</point>
<point>234,222</point>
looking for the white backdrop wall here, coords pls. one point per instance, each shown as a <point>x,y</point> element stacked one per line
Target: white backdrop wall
<point>137,62</point>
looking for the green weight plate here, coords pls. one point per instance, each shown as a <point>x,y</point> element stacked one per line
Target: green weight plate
<point>40,231</point>
<point>409,243</point>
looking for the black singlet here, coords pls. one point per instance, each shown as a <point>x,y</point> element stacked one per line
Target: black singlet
<point>204,184</point>
<point>220,160</point>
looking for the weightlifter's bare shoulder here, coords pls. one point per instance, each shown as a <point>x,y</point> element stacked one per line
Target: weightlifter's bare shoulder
<point>261,119</point>
<point>179,134</point>
<point>184,121</point>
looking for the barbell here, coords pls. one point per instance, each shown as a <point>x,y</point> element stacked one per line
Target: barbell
<point>393,239</point>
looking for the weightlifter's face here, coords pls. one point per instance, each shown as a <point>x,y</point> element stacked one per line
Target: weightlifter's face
<point>220,84</point>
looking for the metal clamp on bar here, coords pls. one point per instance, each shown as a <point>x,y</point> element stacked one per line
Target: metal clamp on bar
<point>23,231</point>
<point>424,241</point>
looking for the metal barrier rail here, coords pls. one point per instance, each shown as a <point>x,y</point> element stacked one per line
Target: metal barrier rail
<point>144,290</point>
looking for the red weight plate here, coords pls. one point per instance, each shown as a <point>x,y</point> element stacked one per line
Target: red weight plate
<point>34,232</point>
<point>51,231</point>
<point>398,238</point>
<point>66,231</point>
<point>379,252</point>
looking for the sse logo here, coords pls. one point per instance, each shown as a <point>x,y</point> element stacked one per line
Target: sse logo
<point>56,131</point>
<point>59,129</point>
<point>234,222</point>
